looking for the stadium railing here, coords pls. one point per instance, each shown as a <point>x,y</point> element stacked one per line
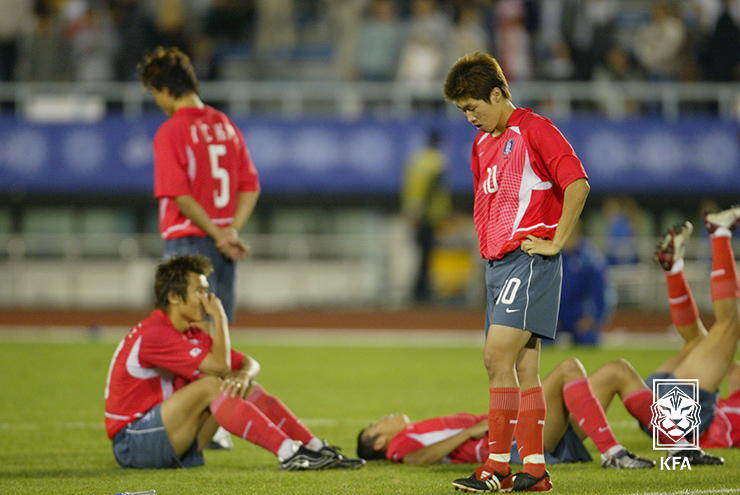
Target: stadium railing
<point>348,99</point>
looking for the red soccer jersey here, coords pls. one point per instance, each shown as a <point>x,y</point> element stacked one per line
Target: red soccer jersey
<point>200,152</point>
<point>434,430</point>
<point>724,432</point>
<point>151,362</point>
<point>519,179</point>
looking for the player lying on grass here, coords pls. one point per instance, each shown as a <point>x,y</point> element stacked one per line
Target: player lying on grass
<point>707,355</point>
<point>463,437</point>
<point>171,384</point>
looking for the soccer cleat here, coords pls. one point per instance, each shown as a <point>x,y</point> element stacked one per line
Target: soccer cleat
<point>697,457</point>
<point>525,482</point>
<point>342,461</point>
<point>673,245</point>
<point>624,459</point>
<point>304,459</point>
<point>729,218</point>
<point>495,482</point>
<point>221,440</point>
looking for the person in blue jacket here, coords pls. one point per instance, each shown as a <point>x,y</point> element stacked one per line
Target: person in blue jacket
<point>587,297</point>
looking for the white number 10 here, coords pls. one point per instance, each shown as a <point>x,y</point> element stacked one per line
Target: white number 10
<point>220,196</point>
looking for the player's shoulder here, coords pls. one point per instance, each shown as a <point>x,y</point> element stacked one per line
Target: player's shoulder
<point>529,119</point>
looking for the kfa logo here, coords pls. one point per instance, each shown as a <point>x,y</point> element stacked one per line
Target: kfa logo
<point>675,418</point>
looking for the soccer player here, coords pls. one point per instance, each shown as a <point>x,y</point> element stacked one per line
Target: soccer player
<point>170,385</point>
<point>707,355</point>
<point>204,178</point>
<point>574,413</point>
<point>530,189</point>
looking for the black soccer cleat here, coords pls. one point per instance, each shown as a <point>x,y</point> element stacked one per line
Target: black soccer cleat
<point>624,459</point>
<point>525,482</point>
<point>496,482</point>
<point>697,457</point>
<point>342,461</point>
<point>304,459</point>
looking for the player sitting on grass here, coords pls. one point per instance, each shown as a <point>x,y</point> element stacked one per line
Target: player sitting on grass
<point>463,437</point>
<point>171,384</point>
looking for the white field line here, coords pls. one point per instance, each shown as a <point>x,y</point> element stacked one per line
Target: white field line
<point>693,492</point>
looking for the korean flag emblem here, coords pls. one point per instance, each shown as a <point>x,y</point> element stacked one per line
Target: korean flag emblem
<point>509,145</point>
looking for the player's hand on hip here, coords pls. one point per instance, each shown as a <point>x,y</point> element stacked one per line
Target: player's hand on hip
<point>534,245</point>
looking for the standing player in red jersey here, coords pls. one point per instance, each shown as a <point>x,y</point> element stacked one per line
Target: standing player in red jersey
<point>530,189</point>
<point>205,181</point>
<point>171,384</point>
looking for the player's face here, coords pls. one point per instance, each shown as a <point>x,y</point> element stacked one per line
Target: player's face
<point>485,116</point>
<point>192,308</point>
<point>387,428</point>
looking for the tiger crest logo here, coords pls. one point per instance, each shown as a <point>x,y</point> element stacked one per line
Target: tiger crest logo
<point>675,413</point>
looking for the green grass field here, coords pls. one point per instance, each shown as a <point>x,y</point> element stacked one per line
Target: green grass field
<point>52,439</point>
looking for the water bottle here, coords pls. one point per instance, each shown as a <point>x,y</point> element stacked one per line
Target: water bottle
<point>145,492</point>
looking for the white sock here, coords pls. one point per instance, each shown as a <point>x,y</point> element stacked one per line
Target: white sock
<point>286,450</point>
<point>612,451</point>
<point>315,444</point>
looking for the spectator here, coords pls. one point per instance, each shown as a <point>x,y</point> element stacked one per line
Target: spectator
<point>660,44</point>
<point>587,297</point>
<point>93,41</point>
<point>513,41</point>
<point>426,202</point>
<point>45,53</point>
<point>16,21</point>
<point>721,58</point>
<point>379,42</point>
<point>469,33</point>
<point>623,219</point>
<point>587,27</point>
<point>423,51</point>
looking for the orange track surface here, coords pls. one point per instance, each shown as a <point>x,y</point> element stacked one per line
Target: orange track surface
<point>415,318</point>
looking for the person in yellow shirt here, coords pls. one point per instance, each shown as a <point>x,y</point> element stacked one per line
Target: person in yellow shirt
<point>426,202</point>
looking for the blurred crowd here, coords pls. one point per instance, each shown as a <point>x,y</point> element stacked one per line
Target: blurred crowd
<point>413,41</point>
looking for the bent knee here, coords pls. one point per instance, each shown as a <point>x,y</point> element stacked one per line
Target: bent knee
<point>571,369</point>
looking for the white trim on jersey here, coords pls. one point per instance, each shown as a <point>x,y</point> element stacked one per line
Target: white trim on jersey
<point>434,436</point>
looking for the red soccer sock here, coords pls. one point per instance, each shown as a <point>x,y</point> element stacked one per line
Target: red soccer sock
<point>279,414</point>
<point>243,419</point>
<point>724,280</point>
<point>530,431</point>
<point>502,420</point>
<point>585,407</point>
<point>638,404</point>
<point>681,300</point>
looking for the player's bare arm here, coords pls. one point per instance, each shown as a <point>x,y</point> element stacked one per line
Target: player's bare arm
<point>242,381</point>
<point>218,361</point>
<point>229,245</point>
<point>574,199</point>
<point>435,452</point>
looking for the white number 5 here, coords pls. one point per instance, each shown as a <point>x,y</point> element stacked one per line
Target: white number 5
<point>220,196</point>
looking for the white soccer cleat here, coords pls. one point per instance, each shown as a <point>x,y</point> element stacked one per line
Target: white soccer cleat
<point>221,440</point>
<point>673,245</point>
<point>729,218</point>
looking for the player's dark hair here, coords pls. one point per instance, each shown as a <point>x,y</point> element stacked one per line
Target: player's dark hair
<point>172,276</point>
<point>474,76</point>
<point>365,449</point>
<point>169,68</point>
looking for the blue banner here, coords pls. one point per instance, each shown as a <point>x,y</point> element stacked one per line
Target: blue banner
<point>366,156</point>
